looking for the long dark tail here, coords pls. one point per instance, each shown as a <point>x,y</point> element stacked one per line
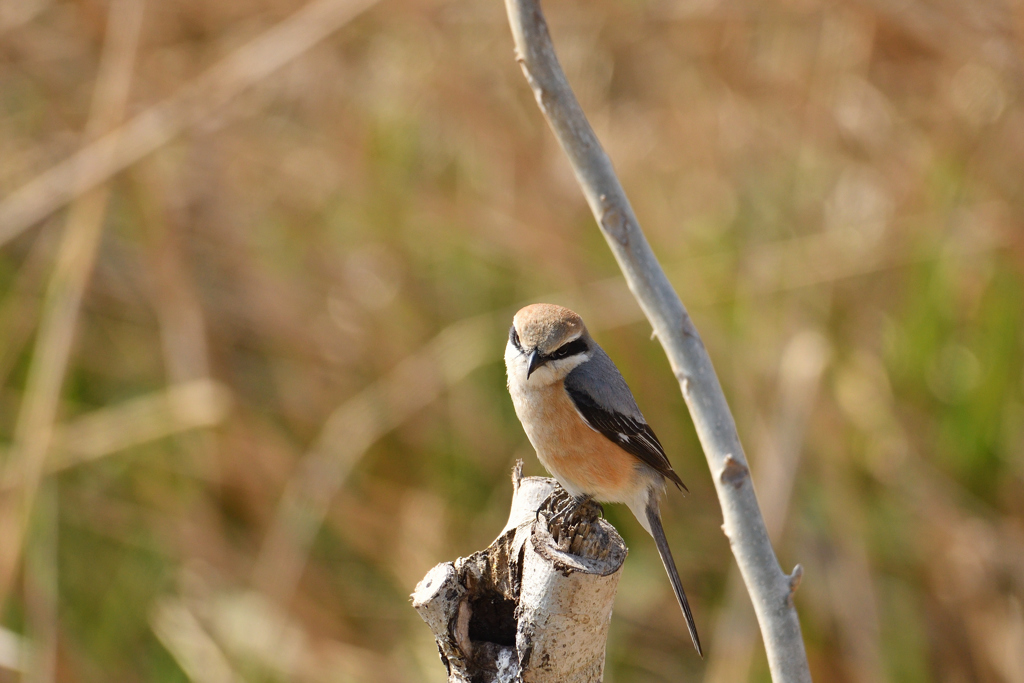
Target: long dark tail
<point>654,519</point>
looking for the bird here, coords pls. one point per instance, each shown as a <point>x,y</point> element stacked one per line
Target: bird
<point>584,423</point>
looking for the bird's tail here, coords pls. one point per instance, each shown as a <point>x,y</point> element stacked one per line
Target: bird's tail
<point>654,519</point>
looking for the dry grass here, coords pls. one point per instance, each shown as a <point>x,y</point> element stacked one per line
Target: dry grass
<point>280,399</point>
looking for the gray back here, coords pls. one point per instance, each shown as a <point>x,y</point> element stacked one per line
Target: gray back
<point>600,379</point>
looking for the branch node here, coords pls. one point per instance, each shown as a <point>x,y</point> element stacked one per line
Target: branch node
<point>734,473</point>
<point>615,224</point>
<point>794,582</point>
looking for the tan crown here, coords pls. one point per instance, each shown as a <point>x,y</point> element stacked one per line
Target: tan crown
<point>546,327</point>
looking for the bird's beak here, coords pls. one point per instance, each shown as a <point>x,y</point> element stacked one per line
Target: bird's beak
<point>536,360</point>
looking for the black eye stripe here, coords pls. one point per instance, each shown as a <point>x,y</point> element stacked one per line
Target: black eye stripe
<point>513,337</point>
<point>571,349</point>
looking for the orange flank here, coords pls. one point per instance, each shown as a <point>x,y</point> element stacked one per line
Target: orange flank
<point>574,453</point>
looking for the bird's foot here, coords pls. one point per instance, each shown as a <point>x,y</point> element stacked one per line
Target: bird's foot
<point>564,513</point>
<point>570,520</point>
<point>566,509</point>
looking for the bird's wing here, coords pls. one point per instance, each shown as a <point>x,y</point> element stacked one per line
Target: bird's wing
<point>628,433</point>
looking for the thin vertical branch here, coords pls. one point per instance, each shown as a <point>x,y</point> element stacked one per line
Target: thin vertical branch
<point>770,589</point>
<point>76,255</point>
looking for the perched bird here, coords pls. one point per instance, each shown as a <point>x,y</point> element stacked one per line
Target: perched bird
<point>585,425</point>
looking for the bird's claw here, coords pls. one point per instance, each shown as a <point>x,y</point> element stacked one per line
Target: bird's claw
<point>564,511</point>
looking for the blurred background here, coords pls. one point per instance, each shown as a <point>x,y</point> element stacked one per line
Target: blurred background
<point>258,263</point>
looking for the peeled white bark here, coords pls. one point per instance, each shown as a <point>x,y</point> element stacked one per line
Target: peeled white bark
<point>534,607</point>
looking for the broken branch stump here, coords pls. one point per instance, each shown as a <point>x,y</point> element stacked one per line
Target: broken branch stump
<point>534,607</point>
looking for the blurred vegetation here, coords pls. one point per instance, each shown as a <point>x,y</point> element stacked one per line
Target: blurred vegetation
<point>261,442</point>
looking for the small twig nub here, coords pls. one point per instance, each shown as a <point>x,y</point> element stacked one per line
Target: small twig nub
<point>734,473</point>
<point>794,582</point>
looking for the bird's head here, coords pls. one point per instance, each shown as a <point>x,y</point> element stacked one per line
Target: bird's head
<point>546,342</point>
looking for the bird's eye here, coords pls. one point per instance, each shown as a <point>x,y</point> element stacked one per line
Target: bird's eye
<point>513,337</point>
<point>571,349</point>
